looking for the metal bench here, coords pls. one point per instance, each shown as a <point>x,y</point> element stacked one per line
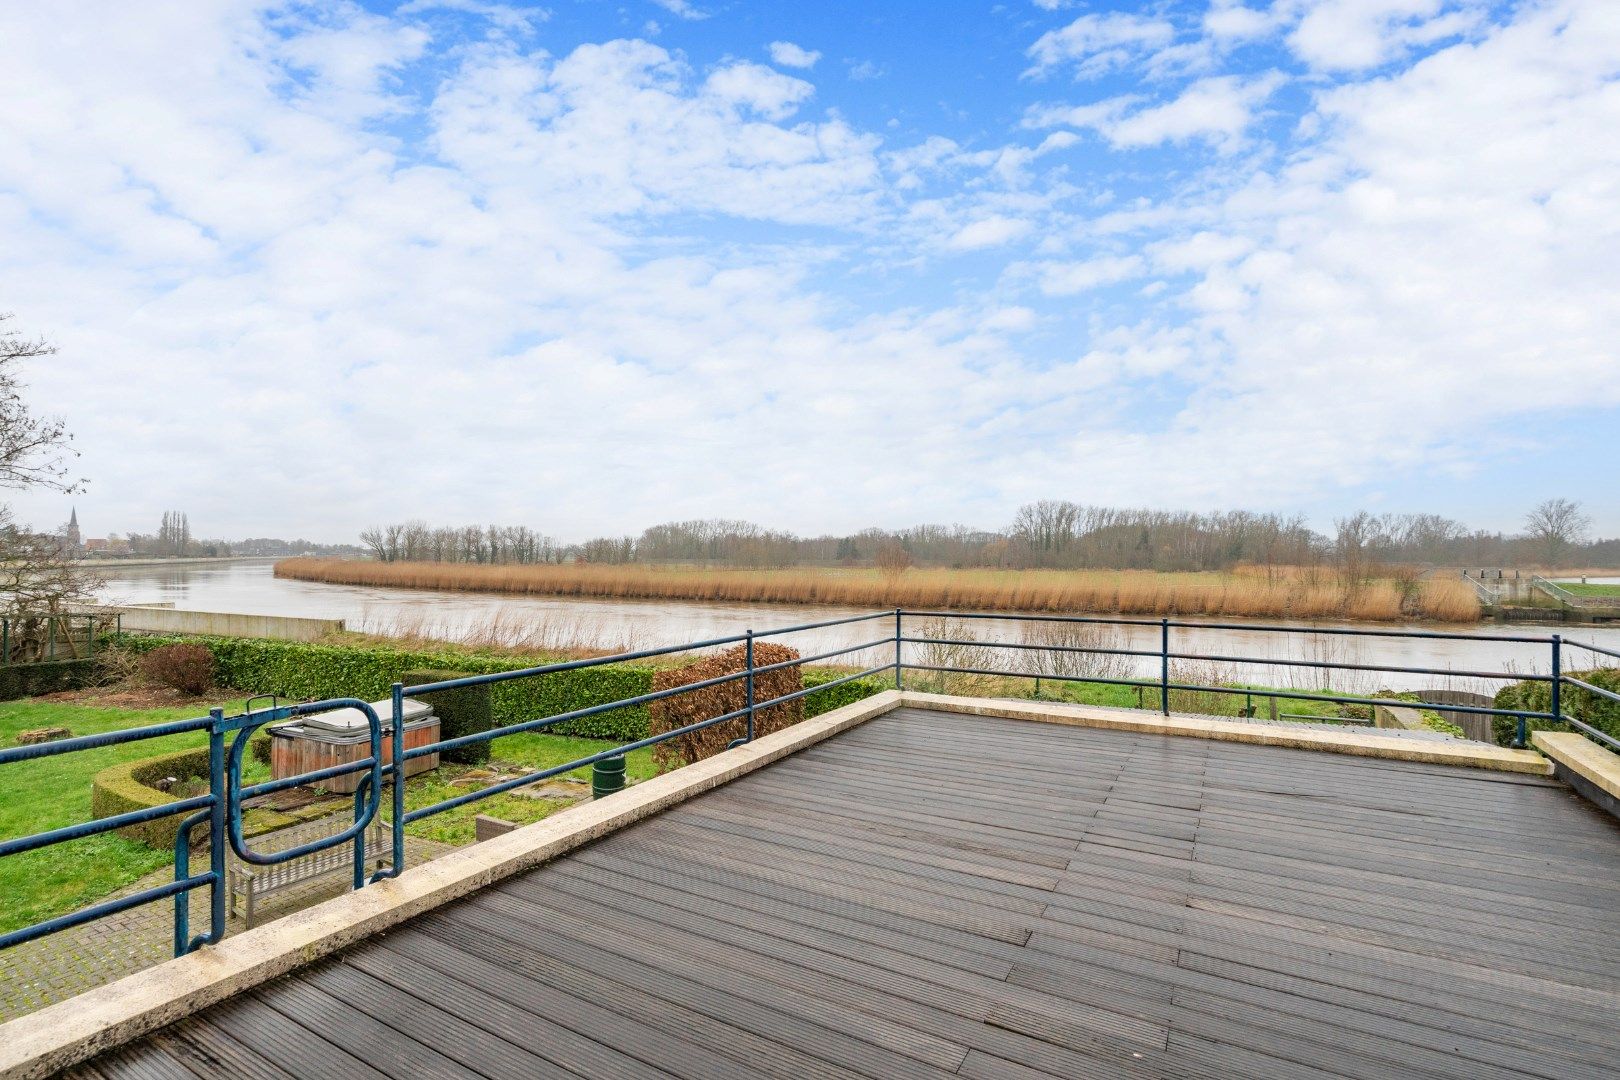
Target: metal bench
<point>248,881</point>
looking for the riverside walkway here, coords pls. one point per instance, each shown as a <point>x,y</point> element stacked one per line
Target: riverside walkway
<point>932,894</point>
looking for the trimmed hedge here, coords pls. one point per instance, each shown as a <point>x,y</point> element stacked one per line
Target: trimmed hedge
<point>466,710</point>
<point>307,670</point>
<point>31,680</point>
<point>1583,705</point>
<point>126,787</point>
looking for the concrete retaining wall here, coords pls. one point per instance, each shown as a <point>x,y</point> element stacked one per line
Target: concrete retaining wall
<point>155,620</point>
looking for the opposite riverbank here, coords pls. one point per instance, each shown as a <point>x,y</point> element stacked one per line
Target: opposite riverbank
<point>1278,593</point>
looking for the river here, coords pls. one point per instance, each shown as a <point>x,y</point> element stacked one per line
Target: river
<point>251,588</point>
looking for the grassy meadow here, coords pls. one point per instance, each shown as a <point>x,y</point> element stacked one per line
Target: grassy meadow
<point>1247,592</point>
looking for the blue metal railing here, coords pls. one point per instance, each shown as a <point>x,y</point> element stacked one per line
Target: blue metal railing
<point>222,807</point>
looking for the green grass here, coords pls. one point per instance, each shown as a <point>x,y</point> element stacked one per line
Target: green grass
<point>1585,589</point>
<point>48,793</point>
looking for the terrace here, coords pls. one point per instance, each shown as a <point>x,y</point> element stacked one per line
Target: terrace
<point>919,885</point>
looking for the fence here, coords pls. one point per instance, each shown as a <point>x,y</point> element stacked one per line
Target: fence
<point>33,639</point>
<point>221,808</point>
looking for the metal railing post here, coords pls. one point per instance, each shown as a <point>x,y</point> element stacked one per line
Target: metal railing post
<point>1164,666</point>
<point>216,826</point>
<point>899,682</point>
<point>1557,676</point>
<point>748,685</point>
<point>398,823</point>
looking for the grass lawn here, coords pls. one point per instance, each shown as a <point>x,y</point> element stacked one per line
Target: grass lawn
<point>1589,589</point>
<point>48,793</point>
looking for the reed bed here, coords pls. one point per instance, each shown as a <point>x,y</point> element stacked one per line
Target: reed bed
<point>1288,593</point>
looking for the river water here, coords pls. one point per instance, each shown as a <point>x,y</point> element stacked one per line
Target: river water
<point>251,588</point>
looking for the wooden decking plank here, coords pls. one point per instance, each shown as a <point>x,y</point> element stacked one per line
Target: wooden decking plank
<point>429,1019</point>
<point>513,974</point>
<point>868,1043</point>
<point>365,1037</point>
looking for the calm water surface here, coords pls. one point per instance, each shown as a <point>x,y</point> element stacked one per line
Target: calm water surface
<point>251,588</point>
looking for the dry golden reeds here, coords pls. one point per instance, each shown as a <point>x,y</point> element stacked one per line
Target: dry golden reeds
<point>1288,593</point>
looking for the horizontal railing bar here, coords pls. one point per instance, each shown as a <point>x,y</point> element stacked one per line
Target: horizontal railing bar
<point>807,691</point>
<point>557,770</point>
<point>1027,645</point>
<point>106,738</point>
<point>101,825</point>
<point>1592,648</point>
<point>270,787</point>
<point>1504,675</point>
<point>1299,695</point>
<point>111,907</point>
<point>1262,627</point>
<point>570,665</point>
<point>1594,733</point>
<point>563,718</point>
<point>1337,665</point>
<point>620,751</point>
<point>821,625</point>
<point>1598,690</point>
<point>762,669</point>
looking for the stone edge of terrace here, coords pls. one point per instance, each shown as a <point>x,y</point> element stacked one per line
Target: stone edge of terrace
<point>1332,738</point>
<point>61,1035</point>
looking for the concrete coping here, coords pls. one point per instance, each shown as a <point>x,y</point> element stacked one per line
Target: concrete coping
<point>61,1035</point>
<point>1583,757</point>
<point>1331,738</point>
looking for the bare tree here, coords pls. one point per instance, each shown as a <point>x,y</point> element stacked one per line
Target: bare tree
<point>34,450</point>
<point>1555,526</point>
<point>892,560</point>
<point>36,574</point>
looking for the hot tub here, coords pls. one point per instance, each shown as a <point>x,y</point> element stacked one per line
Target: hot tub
<point>344,735</point>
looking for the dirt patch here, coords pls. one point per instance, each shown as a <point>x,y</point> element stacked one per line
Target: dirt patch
<point>133,697</point>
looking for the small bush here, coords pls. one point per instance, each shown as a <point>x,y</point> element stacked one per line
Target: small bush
<point>464,711</point>
<point>186,668</point>
<point>683,710</point>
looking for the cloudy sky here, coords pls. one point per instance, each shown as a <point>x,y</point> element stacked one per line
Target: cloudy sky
<point>587,266</point>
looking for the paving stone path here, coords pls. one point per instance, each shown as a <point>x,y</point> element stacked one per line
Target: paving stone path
<point>57,967</point>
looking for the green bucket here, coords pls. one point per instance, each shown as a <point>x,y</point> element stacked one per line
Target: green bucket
<point>607,776</point>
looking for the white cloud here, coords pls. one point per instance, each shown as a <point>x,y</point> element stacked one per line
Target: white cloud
<point>1218,110</point>
<point>682,9</point>
<point>1069,279</point>
<point>987,233</point>
<point>1097,44</point>
<point>1344,35</point>
<point>790,55</point>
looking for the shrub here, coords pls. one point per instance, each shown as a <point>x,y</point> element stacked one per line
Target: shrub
<point>683,710</point>
<point>183,667</point>
<point>128,786</point>
<point>30,680</point>
<point>463,711</point>
<point>1583,705</point>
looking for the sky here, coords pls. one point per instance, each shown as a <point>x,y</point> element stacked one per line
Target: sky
<point>591,266</point>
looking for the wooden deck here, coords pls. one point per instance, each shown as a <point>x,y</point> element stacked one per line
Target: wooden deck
<point>934,894</point>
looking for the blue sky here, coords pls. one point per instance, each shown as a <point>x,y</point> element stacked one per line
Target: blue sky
<point>589,266</point>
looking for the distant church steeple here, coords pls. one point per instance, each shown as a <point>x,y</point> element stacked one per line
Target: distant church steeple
<point>73,540</point>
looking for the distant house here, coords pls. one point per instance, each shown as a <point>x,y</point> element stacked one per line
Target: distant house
<point>106,546</point>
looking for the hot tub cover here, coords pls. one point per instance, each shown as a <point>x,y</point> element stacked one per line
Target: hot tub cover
<point>354,722</point>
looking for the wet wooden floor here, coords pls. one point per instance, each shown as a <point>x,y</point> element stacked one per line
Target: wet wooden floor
<point>933,894</point>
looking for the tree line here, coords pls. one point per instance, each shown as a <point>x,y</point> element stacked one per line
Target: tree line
<point>1054,534</point>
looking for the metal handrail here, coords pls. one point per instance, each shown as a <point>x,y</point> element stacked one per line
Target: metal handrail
<point>221,808</point>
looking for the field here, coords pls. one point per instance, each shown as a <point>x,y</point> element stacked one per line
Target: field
<point>53,792</point>
<point>1281,593</point>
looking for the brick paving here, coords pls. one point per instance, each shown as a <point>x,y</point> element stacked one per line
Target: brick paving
<point>53,968</point>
